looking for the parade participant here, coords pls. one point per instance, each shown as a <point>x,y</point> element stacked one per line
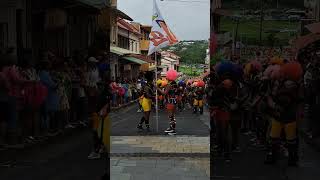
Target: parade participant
<point>198,98</point>
<point>221,114</point>
<point>161,97</point>
<point>252,72</point>
<point>220,102</point>
<point>171,96</point>
<point>284,101</point>
<point>146,102</point>
<point>181,95</point>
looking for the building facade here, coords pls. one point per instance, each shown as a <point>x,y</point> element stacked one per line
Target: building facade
<point>313,9</point>
<point>59,26</point>
<point>169,61</point>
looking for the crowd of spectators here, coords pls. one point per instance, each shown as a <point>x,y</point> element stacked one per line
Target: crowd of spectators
<point>42,98</point>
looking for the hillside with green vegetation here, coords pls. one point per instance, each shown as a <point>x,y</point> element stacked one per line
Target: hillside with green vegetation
<point>254,4</point>
<point>191,52</point>
<point>249,31</point>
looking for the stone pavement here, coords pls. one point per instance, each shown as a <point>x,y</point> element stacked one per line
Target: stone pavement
<point>158,157</point>
<point>155,155</point>
<point>159,169</point>
<point>160,144</point>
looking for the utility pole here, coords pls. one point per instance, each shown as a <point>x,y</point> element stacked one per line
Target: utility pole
<point>236,36</point>
<point>261,19</point>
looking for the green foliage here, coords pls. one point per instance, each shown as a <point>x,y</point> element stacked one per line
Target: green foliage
<point>250,34</point>
<point>193,53</point>
<point>190,71</point>
<point>216,58</point>
<point>254,4</point>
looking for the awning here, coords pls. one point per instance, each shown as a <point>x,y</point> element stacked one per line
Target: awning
<point>134,60</point>
<point>314,28</point>
<point>304,41</point>
<point>120,51</point>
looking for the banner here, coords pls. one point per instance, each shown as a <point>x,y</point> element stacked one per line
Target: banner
<point>160,36</point>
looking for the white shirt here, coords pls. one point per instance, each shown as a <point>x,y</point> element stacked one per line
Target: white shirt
<point>93,77</point>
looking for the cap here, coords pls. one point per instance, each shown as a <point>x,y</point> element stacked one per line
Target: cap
<point>92,59</point>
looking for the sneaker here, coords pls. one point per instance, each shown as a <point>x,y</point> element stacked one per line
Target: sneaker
<point>172,133</point>
<point>139,111</point>
<point>236,149</point>
<point>94,155</point>
<point>148,128</point>
<point>140,127</point>
<point>84,124</point>
<point>102,150</point>
<point>69,126</point>
<point>227,157</point>
<point>169,130</point>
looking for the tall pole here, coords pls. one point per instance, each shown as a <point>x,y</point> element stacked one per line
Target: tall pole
<point>157,109</point>
<point>261,19</point>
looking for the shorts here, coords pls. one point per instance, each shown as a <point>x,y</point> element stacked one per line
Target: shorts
<point>170,107</point>
<point>289,128</point>
<point>146,104</point>
<point>221,115</point>
<point>197,102</point>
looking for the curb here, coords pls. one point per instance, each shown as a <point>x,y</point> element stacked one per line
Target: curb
<point>123,106</point>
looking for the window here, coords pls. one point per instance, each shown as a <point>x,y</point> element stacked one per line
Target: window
<point>3,35</point>
<point>123,42</point>
<point>136,47</point>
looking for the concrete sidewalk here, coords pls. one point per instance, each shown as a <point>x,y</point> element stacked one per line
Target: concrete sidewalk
<point>160,144</point>
<point>160,157</point>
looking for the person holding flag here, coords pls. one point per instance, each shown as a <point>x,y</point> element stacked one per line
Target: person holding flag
<point>160,37</point>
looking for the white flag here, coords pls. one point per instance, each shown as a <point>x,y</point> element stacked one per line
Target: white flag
<point>160,36</point>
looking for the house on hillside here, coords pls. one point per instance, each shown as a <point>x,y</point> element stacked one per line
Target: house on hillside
<point>169,61</point>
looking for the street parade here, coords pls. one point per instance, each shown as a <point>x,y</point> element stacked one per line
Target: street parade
<point>262,99</point>
<point>159,89</point>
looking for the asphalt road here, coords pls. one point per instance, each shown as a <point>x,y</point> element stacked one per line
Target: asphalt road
<point>124,123</point>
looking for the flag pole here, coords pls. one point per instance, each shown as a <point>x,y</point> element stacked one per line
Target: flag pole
<point>157,108</point>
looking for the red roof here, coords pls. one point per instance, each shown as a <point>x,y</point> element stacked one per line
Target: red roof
<point>127,26</point>
<point>314,28</point>
<point>304,41</point>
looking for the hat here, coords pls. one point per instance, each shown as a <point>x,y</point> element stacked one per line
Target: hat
<point>92,59</point>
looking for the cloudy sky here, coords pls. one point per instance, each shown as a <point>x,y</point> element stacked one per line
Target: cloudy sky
<point>188,20</point>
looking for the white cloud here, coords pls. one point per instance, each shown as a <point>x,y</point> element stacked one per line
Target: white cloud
<point>189,21</point>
